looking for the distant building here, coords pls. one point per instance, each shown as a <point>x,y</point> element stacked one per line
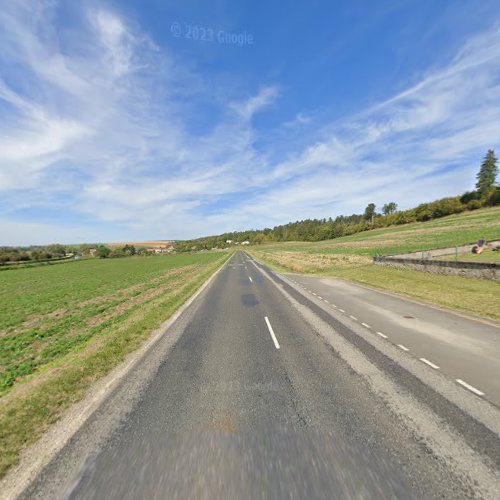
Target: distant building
<point>161,249</point>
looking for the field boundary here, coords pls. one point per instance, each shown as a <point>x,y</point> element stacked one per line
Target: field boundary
<point>36,456</point>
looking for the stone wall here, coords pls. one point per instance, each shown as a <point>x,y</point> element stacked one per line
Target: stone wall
<point>479,270</point>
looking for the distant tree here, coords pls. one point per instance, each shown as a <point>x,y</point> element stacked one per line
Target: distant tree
<point>369,212</point>
<point>57,249</point>
<point>129,250</point>
<point>102,252</point>
<point>389,208</point>
<point>487,174</point>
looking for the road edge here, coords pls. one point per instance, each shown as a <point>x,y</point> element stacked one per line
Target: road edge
<point>462,314</point>
<point>35,457</point>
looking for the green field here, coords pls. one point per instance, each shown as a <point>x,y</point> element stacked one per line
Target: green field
<point>350,258</point>
<point>63,327</point>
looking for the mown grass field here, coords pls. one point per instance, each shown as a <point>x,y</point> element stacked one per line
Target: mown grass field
<point>63,327</point>
<point>350,258</point>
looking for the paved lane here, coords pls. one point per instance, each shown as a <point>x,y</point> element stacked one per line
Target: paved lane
<point>228,414</point>
<point>464,349</point>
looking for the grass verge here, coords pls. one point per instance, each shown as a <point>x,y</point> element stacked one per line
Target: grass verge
<point>31,407</point>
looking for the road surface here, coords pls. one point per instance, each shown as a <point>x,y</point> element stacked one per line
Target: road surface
<point>263,390</point>
<point>464,349</point>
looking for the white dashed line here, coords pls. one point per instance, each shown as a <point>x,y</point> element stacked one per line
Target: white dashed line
<point>341,310</point>
<point>401,346</point>
<point>319,297</point>
<point>353,317</point>
<point>365,325</point>
<point>271,331</point>
<point>382,335</point>
<point>250,279</point>
<point>326,301</point>
<point>430,363</point>
<point>470,387</point>
<point>314,294</point>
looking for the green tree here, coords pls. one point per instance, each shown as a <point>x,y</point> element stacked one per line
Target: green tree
<point>369,212</point>
<point>487,174</point>
<point>102,252</point>
<point>389,208</point>
<point>129,249</point>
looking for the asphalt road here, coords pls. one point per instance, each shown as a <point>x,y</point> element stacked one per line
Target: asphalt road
<point>261,390</point>
<point>466,350</point>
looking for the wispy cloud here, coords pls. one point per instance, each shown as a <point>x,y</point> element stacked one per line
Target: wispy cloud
<point>263,99</point>
<point>96,124</point>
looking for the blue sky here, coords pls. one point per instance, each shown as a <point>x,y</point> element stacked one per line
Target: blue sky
<point>117,125</point>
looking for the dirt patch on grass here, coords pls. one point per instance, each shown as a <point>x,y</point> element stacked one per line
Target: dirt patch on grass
<point>146,296</point>
<point>312,262</point>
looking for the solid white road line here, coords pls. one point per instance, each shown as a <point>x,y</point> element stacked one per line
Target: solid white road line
<point>470,387</point>
<point>365,325</point>
<point>430,363</point>
<point>250,279</point>
<point>382,335</point>
<point>401,346</point>
<point>271,331</point>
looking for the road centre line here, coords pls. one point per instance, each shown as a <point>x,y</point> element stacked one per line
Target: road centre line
<point>353,317</point>
<point>271,331</point>
<point>341,310</point>
<point>365,325</point>
<point>470,387</point>
<point>401,346</point>
<point>430,363</point>
<point>382,335</point>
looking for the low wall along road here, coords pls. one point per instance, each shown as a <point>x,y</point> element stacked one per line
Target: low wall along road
<point>423,261</point>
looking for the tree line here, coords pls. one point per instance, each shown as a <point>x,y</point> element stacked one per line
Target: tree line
<point>487,193</point>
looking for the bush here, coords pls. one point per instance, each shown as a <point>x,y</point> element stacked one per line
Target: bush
<point>102,252</point>
<point>21,257</point>
<point>474,205</point>
<point>494,198</point>
<point>446,206</point>
<point>469,196</point>
<point>405,217</point>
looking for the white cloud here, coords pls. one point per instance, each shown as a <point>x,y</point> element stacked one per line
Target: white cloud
<point>300,120</point>
<point>102,120</point>
<point>249,107</point>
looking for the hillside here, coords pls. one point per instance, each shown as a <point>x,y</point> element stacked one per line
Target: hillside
<point>350,258</point>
